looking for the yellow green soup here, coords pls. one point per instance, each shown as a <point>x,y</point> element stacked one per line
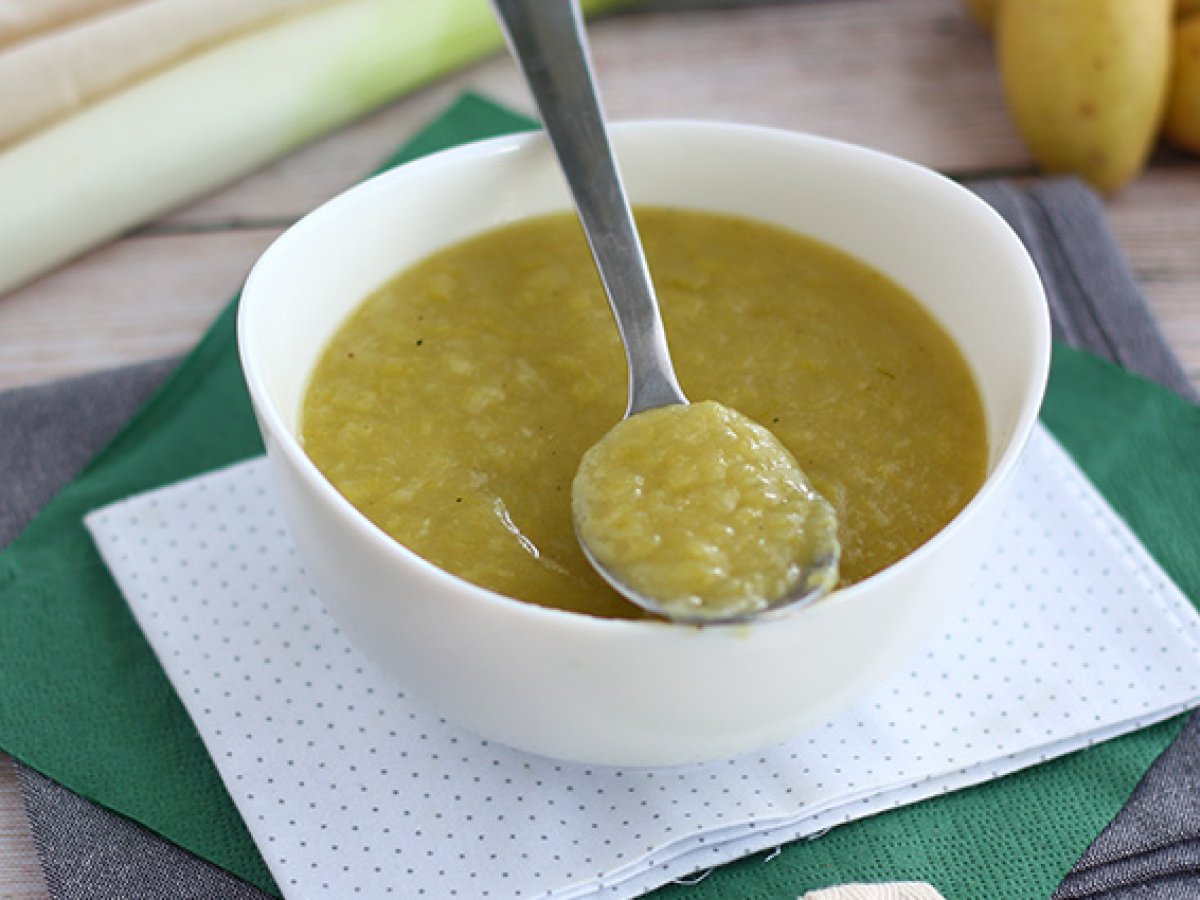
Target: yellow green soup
<point>704,512</point>
<point>454,405</point>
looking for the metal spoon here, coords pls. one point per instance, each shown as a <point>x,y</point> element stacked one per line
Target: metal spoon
<point>547,39</point>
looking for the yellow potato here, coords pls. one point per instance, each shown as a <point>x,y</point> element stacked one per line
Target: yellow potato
<point>1086,81</point>
<point>984,11</point>
<point>1182,123</point>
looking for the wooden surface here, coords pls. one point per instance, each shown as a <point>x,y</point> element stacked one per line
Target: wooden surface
<point>915,78</point>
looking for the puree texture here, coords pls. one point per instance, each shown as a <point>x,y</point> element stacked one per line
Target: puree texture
<point>703,511</point>
<point>454,405</point>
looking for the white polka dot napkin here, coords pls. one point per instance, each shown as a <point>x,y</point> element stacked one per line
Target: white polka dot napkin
<point>1070,635</point>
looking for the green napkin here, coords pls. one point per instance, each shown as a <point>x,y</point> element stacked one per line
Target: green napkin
<point>83,700</point>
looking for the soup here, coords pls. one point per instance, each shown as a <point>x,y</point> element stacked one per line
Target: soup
<point>704,513</point>
<point>453,406</point>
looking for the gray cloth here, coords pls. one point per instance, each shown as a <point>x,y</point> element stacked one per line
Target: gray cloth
<point>1094,301</point>
<point>1152,848</point>
<point>90,853</point>
<point>48,433</point>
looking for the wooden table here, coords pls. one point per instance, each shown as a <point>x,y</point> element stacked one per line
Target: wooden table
<point>917,79</point>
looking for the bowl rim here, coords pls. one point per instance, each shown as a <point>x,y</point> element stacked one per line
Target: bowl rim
<point>271,418</point>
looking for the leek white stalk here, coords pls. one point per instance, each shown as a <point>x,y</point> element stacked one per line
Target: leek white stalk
<point>178,135</point>
<point>56,73</point>
<point>21,18</point>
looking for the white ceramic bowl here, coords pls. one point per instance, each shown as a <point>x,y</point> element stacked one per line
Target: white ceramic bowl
<point>623,692</point>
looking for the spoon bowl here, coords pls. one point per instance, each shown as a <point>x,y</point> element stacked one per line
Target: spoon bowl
<point>704,515</point>
<point>820,577</point>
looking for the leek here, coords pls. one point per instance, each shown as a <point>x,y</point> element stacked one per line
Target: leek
<point>21,18</point>
<point>54,74</point>
<point>178,135</point>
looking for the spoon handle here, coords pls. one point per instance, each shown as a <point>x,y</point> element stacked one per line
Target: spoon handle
<point>547,39</point>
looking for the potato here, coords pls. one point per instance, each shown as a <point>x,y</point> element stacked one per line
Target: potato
<point>1182,123</point>
<point>984,11</point>
<point>1086,81</point>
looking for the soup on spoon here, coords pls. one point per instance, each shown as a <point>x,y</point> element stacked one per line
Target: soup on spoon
<point>705,511</point>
